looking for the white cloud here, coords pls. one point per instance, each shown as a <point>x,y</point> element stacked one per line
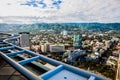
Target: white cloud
<point>70,11</point>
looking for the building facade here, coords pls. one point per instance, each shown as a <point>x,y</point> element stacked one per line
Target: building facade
<point>57,48</point>
<point>24,40</point>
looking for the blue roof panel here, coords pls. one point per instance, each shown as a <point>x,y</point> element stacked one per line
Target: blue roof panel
<point>62,73</point>
<point>67,75</point>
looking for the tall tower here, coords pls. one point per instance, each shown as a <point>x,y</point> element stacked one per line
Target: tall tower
<point>24,40</point>
<point>77,40</point>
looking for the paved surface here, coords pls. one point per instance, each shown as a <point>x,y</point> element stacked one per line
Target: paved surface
<point>9,73</point>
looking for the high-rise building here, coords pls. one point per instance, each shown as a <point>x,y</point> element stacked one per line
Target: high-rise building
<point>77,41</point>
<point>24,40</point>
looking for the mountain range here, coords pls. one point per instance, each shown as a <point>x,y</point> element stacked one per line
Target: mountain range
<point>60,26</point>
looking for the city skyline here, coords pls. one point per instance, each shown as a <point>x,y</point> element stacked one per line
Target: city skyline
<point>59,11</point>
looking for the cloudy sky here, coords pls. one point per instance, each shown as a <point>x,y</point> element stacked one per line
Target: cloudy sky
<point>50,11</point>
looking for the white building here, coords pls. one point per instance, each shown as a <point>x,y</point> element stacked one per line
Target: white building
<point>64,33</point>
<point>42,48</point>
<point>46,47</point>
<point>57,48</point>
